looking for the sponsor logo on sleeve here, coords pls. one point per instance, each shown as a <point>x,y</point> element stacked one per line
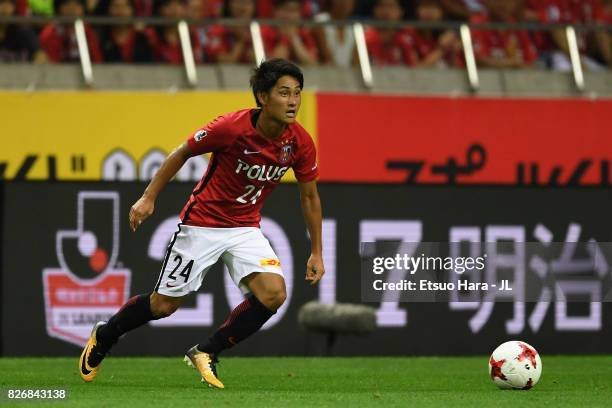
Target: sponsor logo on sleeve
<point>199,135</point>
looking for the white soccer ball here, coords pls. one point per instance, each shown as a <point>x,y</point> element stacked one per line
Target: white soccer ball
<point>515,365</point>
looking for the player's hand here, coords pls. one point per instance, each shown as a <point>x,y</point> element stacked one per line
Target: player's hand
<point>140,211</point>
<point>314,269</point>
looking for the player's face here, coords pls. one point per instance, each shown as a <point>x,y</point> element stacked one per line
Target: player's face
<point>283,101</point>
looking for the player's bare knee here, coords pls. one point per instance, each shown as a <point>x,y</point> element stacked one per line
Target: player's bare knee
<point>274,298</point>
<point>280,298</point>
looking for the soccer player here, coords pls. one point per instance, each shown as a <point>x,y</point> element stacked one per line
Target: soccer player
<point>251,150</point>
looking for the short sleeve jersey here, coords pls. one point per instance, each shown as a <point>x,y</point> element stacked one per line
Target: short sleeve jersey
<point>244,169</point>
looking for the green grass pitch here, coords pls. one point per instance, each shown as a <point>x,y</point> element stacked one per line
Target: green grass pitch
<point>576,381</point>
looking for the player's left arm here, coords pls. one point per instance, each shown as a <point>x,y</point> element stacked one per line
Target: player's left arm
<point>311,208</point>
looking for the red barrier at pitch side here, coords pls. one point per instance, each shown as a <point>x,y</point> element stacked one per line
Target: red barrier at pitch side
<point>399,139</point>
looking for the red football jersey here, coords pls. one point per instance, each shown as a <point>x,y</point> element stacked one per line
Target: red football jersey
<point>244,169</point>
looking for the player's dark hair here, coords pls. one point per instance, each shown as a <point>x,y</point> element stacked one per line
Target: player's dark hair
<point>268,72</point>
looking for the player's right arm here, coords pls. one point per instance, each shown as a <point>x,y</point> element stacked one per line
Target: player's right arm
<point>145,205</point>
<point>214,137</point>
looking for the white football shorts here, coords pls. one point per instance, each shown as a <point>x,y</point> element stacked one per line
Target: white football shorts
<point>193,250</point>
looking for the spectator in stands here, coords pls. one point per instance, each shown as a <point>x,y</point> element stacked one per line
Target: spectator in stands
<point>232,44</point>
<point>59,40</point>
<point>196,10</point>
<point>535,11</point>
<point>265,8</point>
<point>214,8</point>
<point>201,8</point>
<point>606,38</point>
<point>166,42</point>
<point>290,41</point>
<point>607,11</point>
<point>312,8</point>
<point>554,45</point>
<point>337,42</point>
<point>17,43</point>
<point>502,48</point>
<point>594,43</point>
<point>388,45</point>
<point>144,8</point>
<point>435,47</point>
<point>90,6</point>
<point>124,43</point>
<point>462,9</point>
<point>34,7</point>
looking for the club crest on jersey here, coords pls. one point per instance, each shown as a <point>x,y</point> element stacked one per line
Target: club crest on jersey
<point>285,154</point>
<point>199,135</point>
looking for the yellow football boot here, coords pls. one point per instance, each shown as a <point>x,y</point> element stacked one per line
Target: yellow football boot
<point>205,364</point>
<point>87,372</point>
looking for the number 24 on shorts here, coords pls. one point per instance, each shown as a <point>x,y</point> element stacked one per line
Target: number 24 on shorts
<point>186,270</point>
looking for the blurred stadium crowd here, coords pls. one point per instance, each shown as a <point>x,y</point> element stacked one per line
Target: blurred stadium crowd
<point>321,44</point>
